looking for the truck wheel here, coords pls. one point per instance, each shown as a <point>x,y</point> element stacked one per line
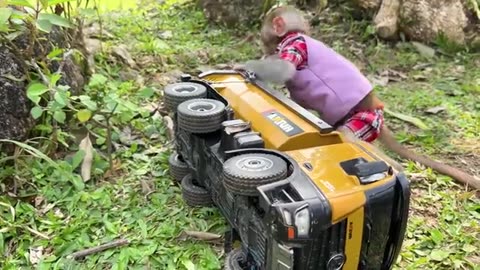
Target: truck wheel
<point>201,115</point>
<point>178,168</point>
<point>242,174</point>
<point>176,93</point>
<point>194,195</point>
<point>235,260</point>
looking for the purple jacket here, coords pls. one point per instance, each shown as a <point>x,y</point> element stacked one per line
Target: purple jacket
<point>330,84</point>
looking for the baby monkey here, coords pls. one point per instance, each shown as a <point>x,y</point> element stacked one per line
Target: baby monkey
<point>320,79</point>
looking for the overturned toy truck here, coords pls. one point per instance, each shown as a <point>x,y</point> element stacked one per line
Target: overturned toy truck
<point>295,193</point>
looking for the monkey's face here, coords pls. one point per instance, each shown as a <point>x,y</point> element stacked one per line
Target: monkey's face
<point>269,39</point>
<point>277,24</point>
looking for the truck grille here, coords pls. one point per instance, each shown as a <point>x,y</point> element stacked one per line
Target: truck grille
<point>331,243</point>
<point>258,242</point>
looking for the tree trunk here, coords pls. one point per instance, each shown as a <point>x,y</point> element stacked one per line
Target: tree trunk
<point>386,21</point>
<point>419,20</point>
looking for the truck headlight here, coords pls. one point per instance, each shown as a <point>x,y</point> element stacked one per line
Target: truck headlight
<point>302,221</point>
<point>287,217</point>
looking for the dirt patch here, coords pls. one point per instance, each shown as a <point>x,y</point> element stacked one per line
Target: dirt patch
<point>420,207</point>
<point>469,163</point>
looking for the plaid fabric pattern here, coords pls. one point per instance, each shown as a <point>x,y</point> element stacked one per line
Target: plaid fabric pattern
<point>294,50</point>
<point>366,125</point>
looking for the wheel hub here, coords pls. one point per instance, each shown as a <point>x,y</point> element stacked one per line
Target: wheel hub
<point>201,106</point>
<point>185,89</point>
<point>254,164</point>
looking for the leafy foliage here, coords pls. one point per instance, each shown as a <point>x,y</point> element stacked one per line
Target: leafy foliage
<point>55,211</point>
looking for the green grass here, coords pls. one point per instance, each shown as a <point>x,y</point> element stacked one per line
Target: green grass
<point>140,202</point>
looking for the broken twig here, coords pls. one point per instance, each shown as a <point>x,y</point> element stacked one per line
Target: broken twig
<point>89,251</point>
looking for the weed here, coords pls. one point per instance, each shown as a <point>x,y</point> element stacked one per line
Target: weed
<point>54,212</point>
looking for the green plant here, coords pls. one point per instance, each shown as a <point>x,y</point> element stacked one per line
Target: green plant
<point>56,212</point>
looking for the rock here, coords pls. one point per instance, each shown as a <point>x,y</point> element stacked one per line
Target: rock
<point>72,76</point>
<point>121,51</point>
<point>163,79</point>
<point>93,46</point>
<point>94,31</point>
<point>128,74</point>
<point>425,20</point>
<point>15,119</point>
<point>149,60</point>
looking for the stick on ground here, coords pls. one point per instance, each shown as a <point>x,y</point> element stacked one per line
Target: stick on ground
<point>89,251</point>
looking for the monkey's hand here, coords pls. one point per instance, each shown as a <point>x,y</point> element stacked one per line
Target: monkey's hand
<point>272,69</point>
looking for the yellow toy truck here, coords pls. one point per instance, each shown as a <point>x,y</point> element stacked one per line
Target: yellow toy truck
<point>296,194</point>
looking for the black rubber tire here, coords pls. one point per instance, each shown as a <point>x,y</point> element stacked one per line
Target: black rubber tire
<point>201,115</point>
<point>178,168</point>
<point>262,169</point>
<point>235,259</point>
<point>194,195</point>
<point>176,93</point>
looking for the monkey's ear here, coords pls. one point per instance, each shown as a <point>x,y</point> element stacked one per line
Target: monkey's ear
<point>278,24</point>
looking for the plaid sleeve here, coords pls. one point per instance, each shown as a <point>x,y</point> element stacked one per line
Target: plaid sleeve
<point>295,51</point>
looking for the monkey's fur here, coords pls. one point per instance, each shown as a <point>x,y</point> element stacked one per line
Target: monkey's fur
<point>273,69</point>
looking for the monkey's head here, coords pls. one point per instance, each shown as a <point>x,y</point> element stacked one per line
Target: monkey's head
<point>278,22</point>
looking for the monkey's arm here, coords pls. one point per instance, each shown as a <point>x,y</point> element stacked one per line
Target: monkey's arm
<point>272,69</point>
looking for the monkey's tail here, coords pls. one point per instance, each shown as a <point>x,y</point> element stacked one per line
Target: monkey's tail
<point>387,139</point>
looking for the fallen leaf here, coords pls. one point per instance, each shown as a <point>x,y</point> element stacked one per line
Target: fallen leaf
<point>439,255</point>
<point>410,119</point>
<point>35,254</point>
<point>419,77</point>
<point>155,150</point>
<point>396,73</point>
<point>12,210</point>
<point>128,138</point>
<point>417,177</point>
<point>436,109</point>
<point>422,66</point>
<point>38,201</point>
<point>47,208</point>
<point>188,264</point>
<point>121,51</point>
<point>147,186</point>
<point>86,146</point>
<point>203,235</point>
<point>117,165</point>
<point>392,75</point>
<point>166,34</point>
<point>424,49</point>
<point>169,125</point>
<point>58,213</point>
<point>380,80</point>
